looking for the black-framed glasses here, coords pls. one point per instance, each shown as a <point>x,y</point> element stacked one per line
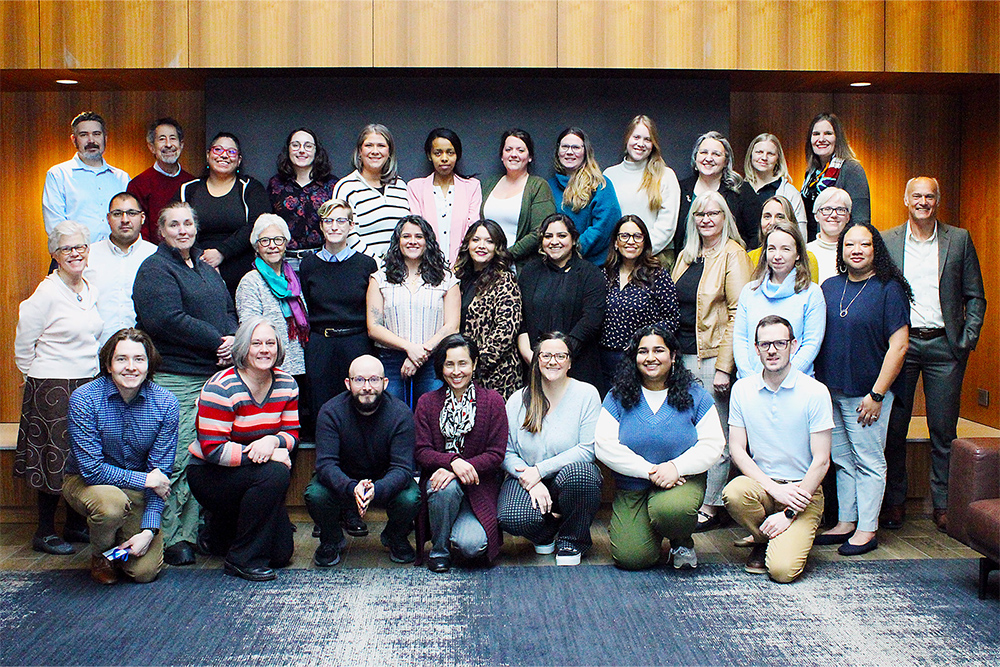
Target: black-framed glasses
<point>625,237</point>
<point>701,215</point>
<point>276,241</point>
<point>549,356</point>
<point>118,213</point>
<point>830,210</point>
<point>779,345</point>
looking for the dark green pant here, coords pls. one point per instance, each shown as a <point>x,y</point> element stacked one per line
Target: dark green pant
<point>641,519</point>
<point>325,505</point>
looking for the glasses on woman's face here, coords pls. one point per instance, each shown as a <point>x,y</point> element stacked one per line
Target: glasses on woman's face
<point>307,146</point>
<point>701,215</point>
<point>779,345</point>
<point>70,249</point>
<point>559,357</point>
<point>636,237</point>
<point>571,148</point>
<point>276,241</point>
<point>833,210</point>
<point>222,151</point>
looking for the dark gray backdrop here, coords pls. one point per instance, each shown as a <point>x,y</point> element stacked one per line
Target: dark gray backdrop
<point>261,111</point>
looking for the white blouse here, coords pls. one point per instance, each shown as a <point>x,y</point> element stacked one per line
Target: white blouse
<point>415,316</point>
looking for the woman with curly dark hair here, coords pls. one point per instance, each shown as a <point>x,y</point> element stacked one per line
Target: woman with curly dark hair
<point>868,333</point>
<point>413,303</point>
<point>303,184</point>
<point>640,291</point>
<point>491,305</point>
<point>659,432</point>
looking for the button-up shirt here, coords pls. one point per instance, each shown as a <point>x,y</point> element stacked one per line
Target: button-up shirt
<point>112,270</point>
<point>116,443</point>
<point>341,256</point>
<point>76,191</point>
<point>920,267</point>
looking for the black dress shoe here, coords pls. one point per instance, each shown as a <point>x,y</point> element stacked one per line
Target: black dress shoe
<point>327,555</point>
<point>250,573</point>
<point>893,517</point>
<point>74,535</point>
<point>832,538</point>
<point>438,563</point>
<point>713,521</point>
<point>400,550</point>
<point>848,549</point>
<point>179,554</point>
<point>354,525</point>
<point>316,530</point>
<point>52,544</point>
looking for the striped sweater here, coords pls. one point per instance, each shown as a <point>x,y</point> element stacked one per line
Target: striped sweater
<point>229,418</point>
<point>375,213</point>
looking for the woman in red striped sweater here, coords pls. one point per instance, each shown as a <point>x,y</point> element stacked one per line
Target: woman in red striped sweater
<point>248,424</point>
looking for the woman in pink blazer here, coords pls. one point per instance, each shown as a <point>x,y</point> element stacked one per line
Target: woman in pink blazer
<point>445,199</point>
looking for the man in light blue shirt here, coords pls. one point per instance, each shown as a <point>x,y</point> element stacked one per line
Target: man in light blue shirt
<point>79,189</point>
<point>780,426</point>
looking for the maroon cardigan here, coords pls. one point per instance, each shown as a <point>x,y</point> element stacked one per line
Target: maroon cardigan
<point>484,447</point>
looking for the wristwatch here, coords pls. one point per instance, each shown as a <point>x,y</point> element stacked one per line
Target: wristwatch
<point>790,514</point>
<point>878,398</point>
<point>154,531</point>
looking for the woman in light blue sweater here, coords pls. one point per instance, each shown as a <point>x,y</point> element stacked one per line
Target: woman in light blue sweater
<point>781,285</point>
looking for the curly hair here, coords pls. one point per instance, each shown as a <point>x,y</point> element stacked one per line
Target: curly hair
<point>627,387</point>
<point>433,265</point>
<point>646,265</point>
<point>730,178</point>
<point>885,269</point>
<point>502,259</point>
<point>321,161</point>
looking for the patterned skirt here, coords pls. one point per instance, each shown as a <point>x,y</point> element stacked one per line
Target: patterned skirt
<point>42,438</point>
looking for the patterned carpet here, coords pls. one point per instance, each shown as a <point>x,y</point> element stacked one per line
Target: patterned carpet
<point>866,613</point>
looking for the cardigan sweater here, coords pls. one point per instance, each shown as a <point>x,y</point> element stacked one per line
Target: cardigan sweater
<point>742,202</point>
<point>633,200</point>
<point>536,205</point>
<point>595,221</point>
<point>852,179</point>
<point>154,190</point>
<point>483,447</point>
<point>255,299</point>
<point>468,200</point>
<point>185,310</point>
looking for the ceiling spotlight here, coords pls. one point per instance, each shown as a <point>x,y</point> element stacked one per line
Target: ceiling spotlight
<point>861,84</point>
<point>67,82</point>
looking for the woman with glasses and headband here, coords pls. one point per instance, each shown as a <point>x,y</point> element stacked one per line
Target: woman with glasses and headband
<point>335,286</point>
<point>712,163</point>
<point>766,171</point>
<point>553,487</point>
<point>303,183</point>
<point>779,208</point>
<point>833,213</point>
<point>830,162</point>
<point>709,275</point>
<point>640,292</point>
<point>583,194</point>
<point>55,348</point>
<point>374,191</point>
<point>228,202</point>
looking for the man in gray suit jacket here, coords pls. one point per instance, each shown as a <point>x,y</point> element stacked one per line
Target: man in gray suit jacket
<point>940,263</point>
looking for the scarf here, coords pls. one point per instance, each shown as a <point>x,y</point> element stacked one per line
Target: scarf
<point>457,418</point>
<point>820,180</point>
<point>287,290</point>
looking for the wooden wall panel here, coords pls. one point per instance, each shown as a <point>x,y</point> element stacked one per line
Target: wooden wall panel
<point>107,34</point>
<point>19,47</point>
<point>677,34</point>
<point>942,36</point>
<point>280,33</point>
<point>827,35</point>
<point>465,33</point>
<point>36,130</point>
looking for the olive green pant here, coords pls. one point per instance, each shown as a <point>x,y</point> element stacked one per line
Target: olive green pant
<point>641,519</point>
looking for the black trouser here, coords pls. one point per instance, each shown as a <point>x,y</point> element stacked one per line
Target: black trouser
<point>247,518</point>
<point>327,363</point>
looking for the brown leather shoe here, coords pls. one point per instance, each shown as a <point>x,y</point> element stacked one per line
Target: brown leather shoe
<point>893,517</point>
<point>102,571</point>
<point>757,562</point>
<point>941,520</point>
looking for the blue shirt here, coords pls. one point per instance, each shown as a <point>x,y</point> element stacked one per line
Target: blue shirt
<point>76,191</point>
<point>116,443</point>
<point>341,256</point>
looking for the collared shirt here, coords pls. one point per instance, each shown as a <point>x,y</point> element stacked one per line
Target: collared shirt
<point>157,167</point>
<point>779,423</point>
<point>116,443</point>
<point>920,267</point>
<point>341,256</point>
<point>443,205</point>
<point>112,270</point>
<point>76,191</point>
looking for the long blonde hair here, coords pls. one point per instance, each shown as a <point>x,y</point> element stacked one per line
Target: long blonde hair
<point>762,271</point>
<point>692,242</point>
<point>780,167</point>
<point>652,174</point>
<point>586,180</point>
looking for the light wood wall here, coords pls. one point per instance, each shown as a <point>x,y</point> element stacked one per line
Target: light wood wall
<point>806,35</point>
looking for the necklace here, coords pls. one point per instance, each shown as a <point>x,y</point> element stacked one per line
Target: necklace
<point>843,311</point>
<point>78,293</point>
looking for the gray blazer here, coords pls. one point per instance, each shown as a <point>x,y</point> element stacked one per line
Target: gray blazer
<point>963,298</point>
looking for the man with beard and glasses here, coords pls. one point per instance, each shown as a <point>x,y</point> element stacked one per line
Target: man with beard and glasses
<point>114,261</point>
<point>160,184</point>
<point>80,188</point>
<point>364,457</point>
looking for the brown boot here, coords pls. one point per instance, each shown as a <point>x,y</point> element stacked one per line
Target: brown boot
<point>102,571</point>
<point>941,520</point>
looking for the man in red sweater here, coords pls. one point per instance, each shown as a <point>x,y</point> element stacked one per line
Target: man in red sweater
<point>161,183</point>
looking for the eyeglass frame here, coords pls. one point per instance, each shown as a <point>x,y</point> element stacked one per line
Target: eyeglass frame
<point>778,345</point>
<point>118,213</point>
<point>81,248</point>
<point>276,241</point>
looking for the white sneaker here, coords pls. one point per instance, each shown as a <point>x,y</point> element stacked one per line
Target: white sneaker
<point>684,558</point>
<point>546,549</point>
<point>568,556</point>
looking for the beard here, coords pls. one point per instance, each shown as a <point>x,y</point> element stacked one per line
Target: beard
<point>367,408</point>
<point>169,158</point>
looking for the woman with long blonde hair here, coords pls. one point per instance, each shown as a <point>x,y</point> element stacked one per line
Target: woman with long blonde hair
<point>766,170</point>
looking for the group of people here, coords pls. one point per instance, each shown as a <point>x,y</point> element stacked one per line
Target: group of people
<point>467,353</point>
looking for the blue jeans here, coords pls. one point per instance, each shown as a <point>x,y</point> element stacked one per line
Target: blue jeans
<point>858,455</point>
<point>453,523</point>
<point>410,389</point>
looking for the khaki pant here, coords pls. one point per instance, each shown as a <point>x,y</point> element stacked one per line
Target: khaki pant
<point>749,504</point>
<point>114,515</point>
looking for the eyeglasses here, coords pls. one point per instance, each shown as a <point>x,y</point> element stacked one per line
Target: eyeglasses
<point>70,249</point>
<point>779,345</point>
<point>361,381</point>
<point>830,210</point>
<point>707,214</point>
<point>570,148</point>
<point>625,237</point>
<point>225,152</point>
<point>118,214</point>
<point>308,147</point>
<point>343,222</point>
<point>549,356</point>
<point>276,241</point>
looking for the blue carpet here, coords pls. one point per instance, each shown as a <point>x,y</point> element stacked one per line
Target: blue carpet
<point>863,613</point>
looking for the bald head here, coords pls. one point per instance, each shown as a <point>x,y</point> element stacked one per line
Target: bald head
<point>922,197</point>
<point>367,393</point>
<point>366,365</point>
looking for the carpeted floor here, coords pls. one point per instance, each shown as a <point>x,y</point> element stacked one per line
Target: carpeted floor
<point>860,613</point>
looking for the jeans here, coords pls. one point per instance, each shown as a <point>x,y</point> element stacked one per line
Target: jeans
<point>858,455</point>
<point>408,390</point>
<point>453,523</point>
<point>718,474</point>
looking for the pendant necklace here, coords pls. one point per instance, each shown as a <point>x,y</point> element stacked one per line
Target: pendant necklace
<point>843,310</point>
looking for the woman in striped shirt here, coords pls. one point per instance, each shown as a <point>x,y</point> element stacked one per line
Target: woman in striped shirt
<point>248,424</point>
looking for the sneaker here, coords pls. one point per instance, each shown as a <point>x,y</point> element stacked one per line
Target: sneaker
<point>400,550</point>
<point>568,556</point>
<point>685,558</point>
<point>327,555</point>
<point>757,563</point>
<point>545,549</point>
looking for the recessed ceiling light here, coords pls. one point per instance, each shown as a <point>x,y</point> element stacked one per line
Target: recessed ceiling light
<point>861,84</point>
<point>67,82</point>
